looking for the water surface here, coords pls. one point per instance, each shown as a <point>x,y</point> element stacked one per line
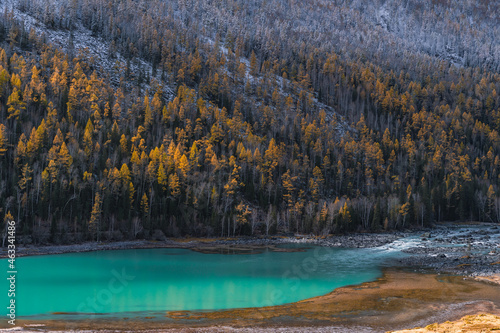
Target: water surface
<point>149,280</point>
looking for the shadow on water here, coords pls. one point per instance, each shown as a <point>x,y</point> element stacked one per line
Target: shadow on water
<point>249,249</point>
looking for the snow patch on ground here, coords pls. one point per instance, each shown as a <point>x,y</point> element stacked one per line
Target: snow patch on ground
<point>342,126</point>
<point>96,48</point>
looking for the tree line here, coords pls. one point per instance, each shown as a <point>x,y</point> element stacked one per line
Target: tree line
<point>253,142</point>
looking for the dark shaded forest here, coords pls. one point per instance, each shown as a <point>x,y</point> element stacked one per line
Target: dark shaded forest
<point>222,118</point>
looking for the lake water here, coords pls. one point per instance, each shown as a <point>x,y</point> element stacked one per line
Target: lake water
<point>152,280</point>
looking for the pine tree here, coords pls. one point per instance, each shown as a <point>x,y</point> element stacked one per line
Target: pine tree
<point>490,195</point>
<point>95,217</point>
<point>125,175</point>
<point>162,177</point>
<point>403,211</point>
<point>194,155</point>
<point>242,213</point>
<point>184,166</point>
<point>124,144</point>
<point>65,159</point>
<point>174,185</point>
<point>289,187</point>
<point>25,179</point>
<point>87,138</point>
<point>254,66</point>
<point>3,140</point>
<point>37,86</point>
<point>15,105</point>
<point>148,114</point>
<point>145,206</point>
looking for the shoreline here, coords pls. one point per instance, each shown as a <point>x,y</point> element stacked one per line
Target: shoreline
<point>347,241</point>
<point>451,271</point>
<point>397,300</point>
<point>468,249</point>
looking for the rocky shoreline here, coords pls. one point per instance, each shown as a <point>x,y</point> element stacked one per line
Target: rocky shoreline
<point>347,241</point>
<point>463,249</point>
<point>460,253</point>
<point>469,250</point>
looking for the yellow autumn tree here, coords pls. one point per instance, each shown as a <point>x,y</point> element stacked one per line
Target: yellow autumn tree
<point>145,205</point>
<point>65,159</point>
<point>125,175</point>
<point>184,166</point>
<point>15,105</point>
<point>3,140</point>
<point>162,177</point>
<point>95,216</point>
<point>174,185</point>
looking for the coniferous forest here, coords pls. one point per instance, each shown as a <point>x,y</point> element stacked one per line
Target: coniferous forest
<point>237,117</point>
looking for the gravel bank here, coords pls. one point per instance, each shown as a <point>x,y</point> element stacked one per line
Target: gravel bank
<point>469,250</point>
<point>348,241</point>
<point>463,249</point>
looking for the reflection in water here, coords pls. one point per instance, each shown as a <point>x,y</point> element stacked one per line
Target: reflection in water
<point>179,279</point>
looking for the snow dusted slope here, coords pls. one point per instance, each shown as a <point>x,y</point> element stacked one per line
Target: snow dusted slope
<point>84,43</point>
<point>111,62</point>
<point>342,126</point>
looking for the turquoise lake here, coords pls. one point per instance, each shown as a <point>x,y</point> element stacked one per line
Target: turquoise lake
<point>152,280</point>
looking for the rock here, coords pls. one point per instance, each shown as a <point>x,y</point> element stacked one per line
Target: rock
<point>117,235</point>
<point>25,239</point>
<point>141,235</point>
<point>158,235</point>
<point>426,235</point>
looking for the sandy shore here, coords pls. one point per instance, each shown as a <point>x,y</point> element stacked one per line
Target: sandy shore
<point>473,324</point>
<point>495,278</point>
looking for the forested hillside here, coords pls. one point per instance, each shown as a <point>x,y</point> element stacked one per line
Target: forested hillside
<point>221,118</point>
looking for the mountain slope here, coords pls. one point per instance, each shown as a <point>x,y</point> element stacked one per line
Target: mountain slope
<point>120,119</point>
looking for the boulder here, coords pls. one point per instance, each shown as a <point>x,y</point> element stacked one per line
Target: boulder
<point>158,235</point>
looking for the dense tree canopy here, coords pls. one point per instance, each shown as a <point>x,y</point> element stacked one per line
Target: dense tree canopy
<point>203,127</point>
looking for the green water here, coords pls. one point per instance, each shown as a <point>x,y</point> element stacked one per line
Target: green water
<point>149,280</point>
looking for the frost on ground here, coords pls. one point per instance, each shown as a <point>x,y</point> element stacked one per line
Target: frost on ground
<point>342,126</point>
<point>95,49</point>
<point>108,62</point>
